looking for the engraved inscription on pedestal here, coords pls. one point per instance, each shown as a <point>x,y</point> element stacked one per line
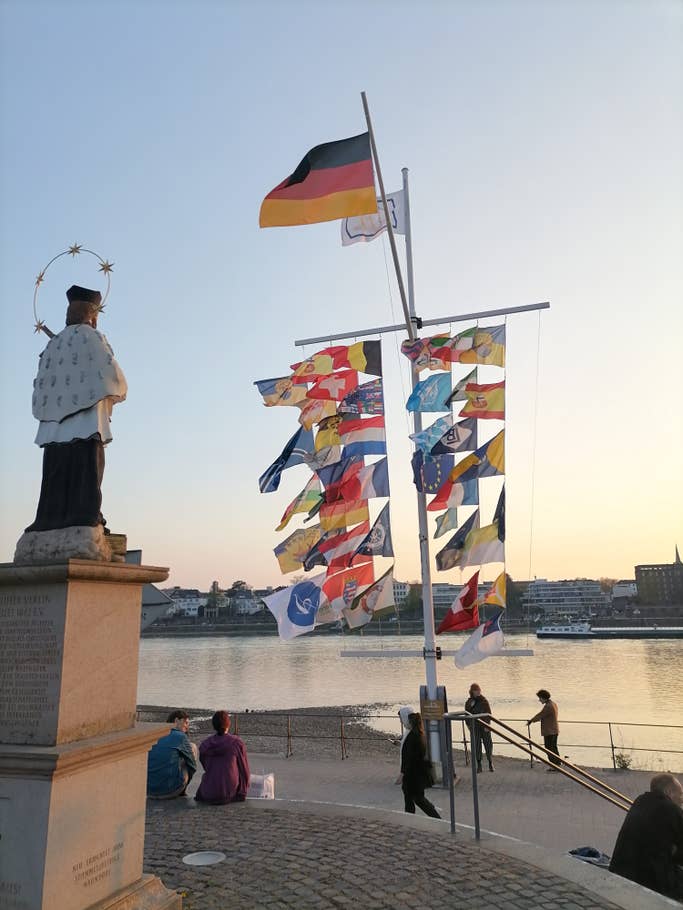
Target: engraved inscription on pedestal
<point>31,637</point>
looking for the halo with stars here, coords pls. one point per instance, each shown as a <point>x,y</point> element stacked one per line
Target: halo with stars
<point>74,250</point>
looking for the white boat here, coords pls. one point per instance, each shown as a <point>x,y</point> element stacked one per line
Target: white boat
<point>580,630</point>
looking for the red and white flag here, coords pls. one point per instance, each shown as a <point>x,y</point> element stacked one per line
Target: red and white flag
<point>335,386</point>
<point>464,612</point>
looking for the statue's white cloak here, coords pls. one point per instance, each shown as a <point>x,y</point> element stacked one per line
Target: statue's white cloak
<point>76,370</point>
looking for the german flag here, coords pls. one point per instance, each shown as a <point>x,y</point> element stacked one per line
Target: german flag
<point>334,180</point>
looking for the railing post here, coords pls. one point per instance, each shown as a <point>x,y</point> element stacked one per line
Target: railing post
<point>464,743</point>
<point>342,737</point>
<point>450,771</point>
<point>237,724</point>
<point>475,782</point>
<point>531,754</point>
<point>290,751</point>
<point>611,742</point>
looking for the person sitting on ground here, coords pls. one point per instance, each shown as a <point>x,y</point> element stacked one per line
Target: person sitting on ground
<point>478,704</point>
<point>414,768</point>
<point>550,727</point>
<point>649,847</point>
<point>226,768</point>
<point>172,760</point>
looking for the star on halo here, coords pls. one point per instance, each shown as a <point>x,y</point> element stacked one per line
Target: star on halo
<point>40,278</point>
<point>106,267</point>
<point>75,249</point>
<point>39,326</point>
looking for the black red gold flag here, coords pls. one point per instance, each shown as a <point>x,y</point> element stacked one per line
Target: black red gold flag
<point>334,180</point>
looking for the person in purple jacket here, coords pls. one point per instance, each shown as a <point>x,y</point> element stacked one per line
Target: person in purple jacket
<point>226,769</point>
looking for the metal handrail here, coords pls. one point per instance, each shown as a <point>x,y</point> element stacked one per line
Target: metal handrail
<point>622,802</point>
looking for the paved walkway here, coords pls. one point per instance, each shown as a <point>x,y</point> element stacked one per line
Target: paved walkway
<point>318,854</point>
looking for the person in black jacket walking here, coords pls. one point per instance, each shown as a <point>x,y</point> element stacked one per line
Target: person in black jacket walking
<point>415,769</point>
<point>478,704</point>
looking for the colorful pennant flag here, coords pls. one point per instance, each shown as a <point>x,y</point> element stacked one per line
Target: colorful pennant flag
<point>328,433</point>
<point>446,522</point>
<point>342,514</point>
<point>295,608</point>
<point>497,593</point>
<point>368,483</point>
<point>292,551</point>
<point>363,436</point>
<point>366,399</point>
<point>375,600</point>
<point>364,228</point>
<point>451,554</point>
<point>280,391</point>
<point>483,545</point>
<point>484,642</point>
<point>451,495</point>
<point>428,352</point>
<point>362,356</point>
<point>463,613</point>
<point>429,472</point>
<point>499,514</point>
<point>431,394</point>
<point>341,588</point>
<point>485,402</point>
<point>334,180</point>
<point>295,452</point>
<point>458,393</point>
<point>487,461</point>
<point>461,437</point>
<point>487,346</point>
<point>309,497</point>
<point>335,386</point>
<point>326,457</point>
<point>337,548</point>
<point>315,412</point>
<point>378,542</point>
<point>366,357</point>
<point>425,440</point>
<point>335,474</point>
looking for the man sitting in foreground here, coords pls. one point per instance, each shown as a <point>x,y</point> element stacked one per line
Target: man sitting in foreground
<point>172,760</point>
<point>649,848</point>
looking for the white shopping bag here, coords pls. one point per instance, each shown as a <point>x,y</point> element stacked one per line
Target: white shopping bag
<point>261,786</point>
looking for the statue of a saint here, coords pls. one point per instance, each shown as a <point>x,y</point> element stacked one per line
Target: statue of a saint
<point>77,385</point>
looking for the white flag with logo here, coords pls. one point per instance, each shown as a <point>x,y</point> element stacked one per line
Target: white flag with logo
<point>363,228</point>
<point>296,608</point>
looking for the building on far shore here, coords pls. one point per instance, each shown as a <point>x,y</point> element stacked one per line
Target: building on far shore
<point>186,601</point>
<point>579,597</point>
<point>661,583</point>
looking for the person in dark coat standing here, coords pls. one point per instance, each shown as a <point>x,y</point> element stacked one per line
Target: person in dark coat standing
<point>226,768</point>
<point>415,770</point>
<point>478,704</point>
<point>550,728</point>
<point>649,847</point>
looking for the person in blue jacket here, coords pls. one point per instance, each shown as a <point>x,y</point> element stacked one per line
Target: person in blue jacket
<point>172,760</point>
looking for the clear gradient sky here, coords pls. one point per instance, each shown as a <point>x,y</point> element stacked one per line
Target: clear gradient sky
<point>544,142</point>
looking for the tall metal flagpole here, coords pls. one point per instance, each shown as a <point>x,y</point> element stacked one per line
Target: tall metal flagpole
<point>411,321</point>
<point>427,596</point>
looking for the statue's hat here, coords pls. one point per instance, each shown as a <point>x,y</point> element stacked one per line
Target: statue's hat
<point>85,294</point>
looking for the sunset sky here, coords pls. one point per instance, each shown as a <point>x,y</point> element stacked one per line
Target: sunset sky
<point>544,142</point>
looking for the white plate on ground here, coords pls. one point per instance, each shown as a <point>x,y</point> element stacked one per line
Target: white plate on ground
<point>204,858</point>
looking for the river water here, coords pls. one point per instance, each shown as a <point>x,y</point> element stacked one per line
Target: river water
<point>623,682</point>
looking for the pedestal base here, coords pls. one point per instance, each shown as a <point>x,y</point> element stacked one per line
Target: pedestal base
<point>148,893</point>
<point>72,822</point>
<point>40,547</point>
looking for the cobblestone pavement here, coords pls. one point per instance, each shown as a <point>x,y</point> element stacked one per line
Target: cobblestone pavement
<point>283,857</point>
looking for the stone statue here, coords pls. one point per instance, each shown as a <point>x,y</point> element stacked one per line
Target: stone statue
<point>76,387</point>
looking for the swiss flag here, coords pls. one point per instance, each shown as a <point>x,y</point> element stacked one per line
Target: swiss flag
<point>335,386</point>
<point>464,612</point>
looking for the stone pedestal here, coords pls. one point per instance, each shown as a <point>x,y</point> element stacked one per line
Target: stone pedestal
<point>72,759</point>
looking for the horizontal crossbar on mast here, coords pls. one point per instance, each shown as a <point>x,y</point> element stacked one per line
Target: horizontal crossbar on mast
<point>400,652</point>
<point>462,317</point>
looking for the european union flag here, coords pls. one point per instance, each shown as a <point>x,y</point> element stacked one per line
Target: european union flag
<point>429,472</point>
